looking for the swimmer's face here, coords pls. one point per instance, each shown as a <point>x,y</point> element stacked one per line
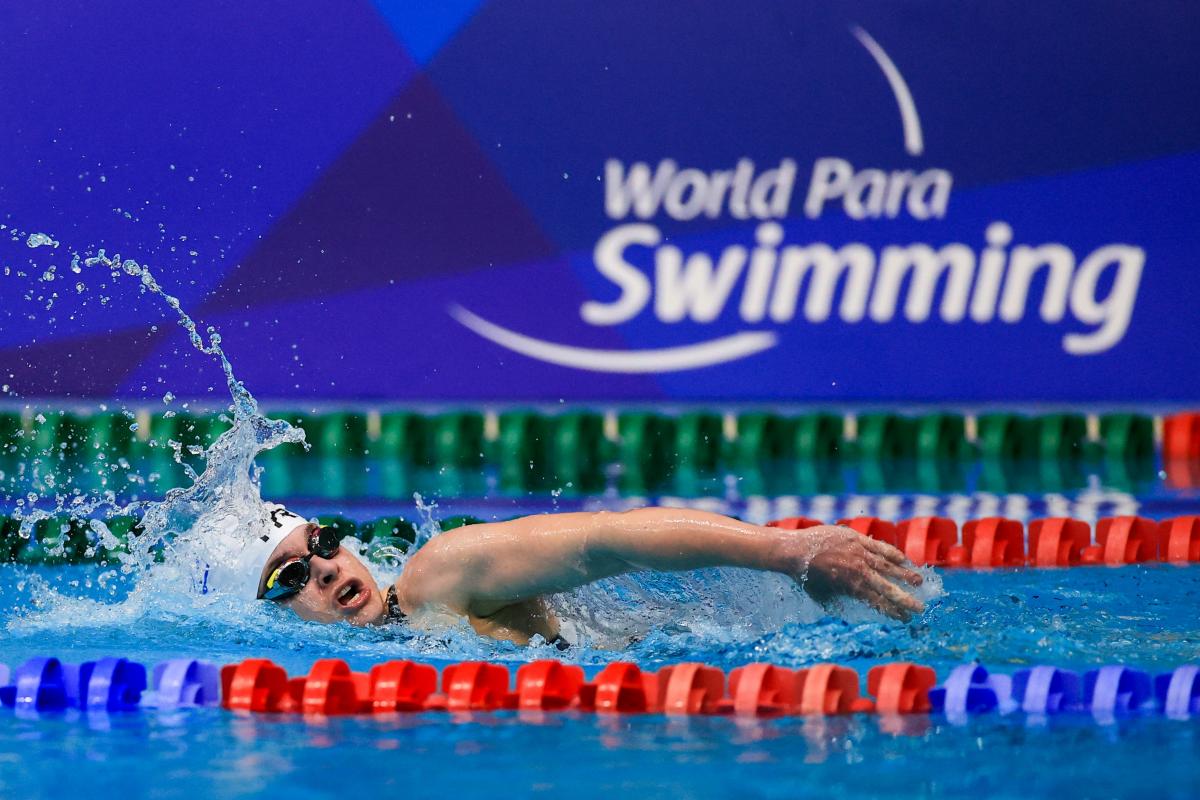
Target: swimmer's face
<point>339,589</point>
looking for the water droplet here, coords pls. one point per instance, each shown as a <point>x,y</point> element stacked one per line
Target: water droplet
<point>40,240</point>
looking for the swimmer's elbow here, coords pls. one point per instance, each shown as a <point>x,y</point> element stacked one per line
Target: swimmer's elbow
<point>602,551</point>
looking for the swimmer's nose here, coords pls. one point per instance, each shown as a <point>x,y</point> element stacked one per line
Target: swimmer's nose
<point>324,571</point>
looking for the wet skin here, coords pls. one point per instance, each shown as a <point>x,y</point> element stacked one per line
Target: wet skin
<point>497,574</point>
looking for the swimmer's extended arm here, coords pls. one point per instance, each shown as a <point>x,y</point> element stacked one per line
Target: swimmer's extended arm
<point>481,569</point>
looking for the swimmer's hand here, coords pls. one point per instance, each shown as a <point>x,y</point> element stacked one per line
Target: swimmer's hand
<point>831,561</point>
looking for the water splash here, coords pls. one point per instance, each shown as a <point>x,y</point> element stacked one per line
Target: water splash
<point>194,530</point>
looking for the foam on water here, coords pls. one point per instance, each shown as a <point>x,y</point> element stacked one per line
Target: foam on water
<point>176,577</point>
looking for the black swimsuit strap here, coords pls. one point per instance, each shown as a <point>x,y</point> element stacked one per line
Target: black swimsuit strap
<point>393,613</point>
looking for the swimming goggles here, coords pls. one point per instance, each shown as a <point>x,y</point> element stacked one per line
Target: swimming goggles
<point>292,575</point>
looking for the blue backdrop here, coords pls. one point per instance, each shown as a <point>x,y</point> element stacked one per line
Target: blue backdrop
<point>463,200</point>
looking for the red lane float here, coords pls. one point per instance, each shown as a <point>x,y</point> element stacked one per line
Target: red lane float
<point>258,685</point>
<point>401,686</point>
<point>1179,540</point>
<point>764,689</point>
<point>477,686</point>
<point>332,689</point>
<point>691,689</point>
<point>829,689</point>
<point>823,690</point>
<point>621,687</point>
<point>1052,541</point>
<point>1181,437</point>
<point>926,541</point>
<point>548,686</point>
<point>1123,540</point>
<point>990,542</point>
<point>1057,541</point>
<point>901,688</point>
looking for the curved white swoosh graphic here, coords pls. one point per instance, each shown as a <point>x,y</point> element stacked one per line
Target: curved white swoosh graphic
<point>914,142</point>
<point>667,359</point>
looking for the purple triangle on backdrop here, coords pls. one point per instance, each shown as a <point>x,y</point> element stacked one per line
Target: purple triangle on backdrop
<point>413,196</point>
<point>84,366</point>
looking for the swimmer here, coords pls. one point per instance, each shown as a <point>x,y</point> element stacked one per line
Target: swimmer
<point>496,575</point>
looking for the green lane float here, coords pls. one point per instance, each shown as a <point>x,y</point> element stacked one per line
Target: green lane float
<point>577,449</point>
<point>699,437</point>
<point>402,436</point>
<point>392,453</point>
<point>1060,436</point>
<point>1129,437</point>
<point>817,436</point>
<point>1006,437</point>
<point>645,451</point>
<point>456,439</point>
<point>941,437</point>
<point>762,436</point>
<point>521,448</point>
<point>886,437</point>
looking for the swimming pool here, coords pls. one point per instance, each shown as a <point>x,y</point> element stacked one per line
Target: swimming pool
<point>1080,618</point>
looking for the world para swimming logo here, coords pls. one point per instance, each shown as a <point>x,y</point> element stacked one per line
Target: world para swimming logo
<point>768,281</point>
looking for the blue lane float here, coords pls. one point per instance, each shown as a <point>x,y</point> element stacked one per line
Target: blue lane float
<point>39,685</point>
<point>1178,692</point>
<point>110,684</point>
<point>46,684</point>
<point>1117,691</point>
<point>971,689</point>
<point>1047,690</point>
<point>184,683</point>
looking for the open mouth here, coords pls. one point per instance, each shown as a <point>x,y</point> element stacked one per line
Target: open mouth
<point>352,595</point>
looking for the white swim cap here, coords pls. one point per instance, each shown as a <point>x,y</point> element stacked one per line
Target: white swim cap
<point>245,546</point>
<point>254,556</point>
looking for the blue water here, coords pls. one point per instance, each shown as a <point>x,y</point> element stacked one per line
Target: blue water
<point>1146,616</point>
<point>213,754</point>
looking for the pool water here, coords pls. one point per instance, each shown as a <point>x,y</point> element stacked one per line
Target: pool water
<point>213,754</point>
<point>1144,616</point>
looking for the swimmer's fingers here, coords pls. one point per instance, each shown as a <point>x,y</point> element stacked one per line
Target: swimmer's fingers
<point>883,549</point>
<point>878,601</point>
<point>899,603</point>
<point>891,570</point>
